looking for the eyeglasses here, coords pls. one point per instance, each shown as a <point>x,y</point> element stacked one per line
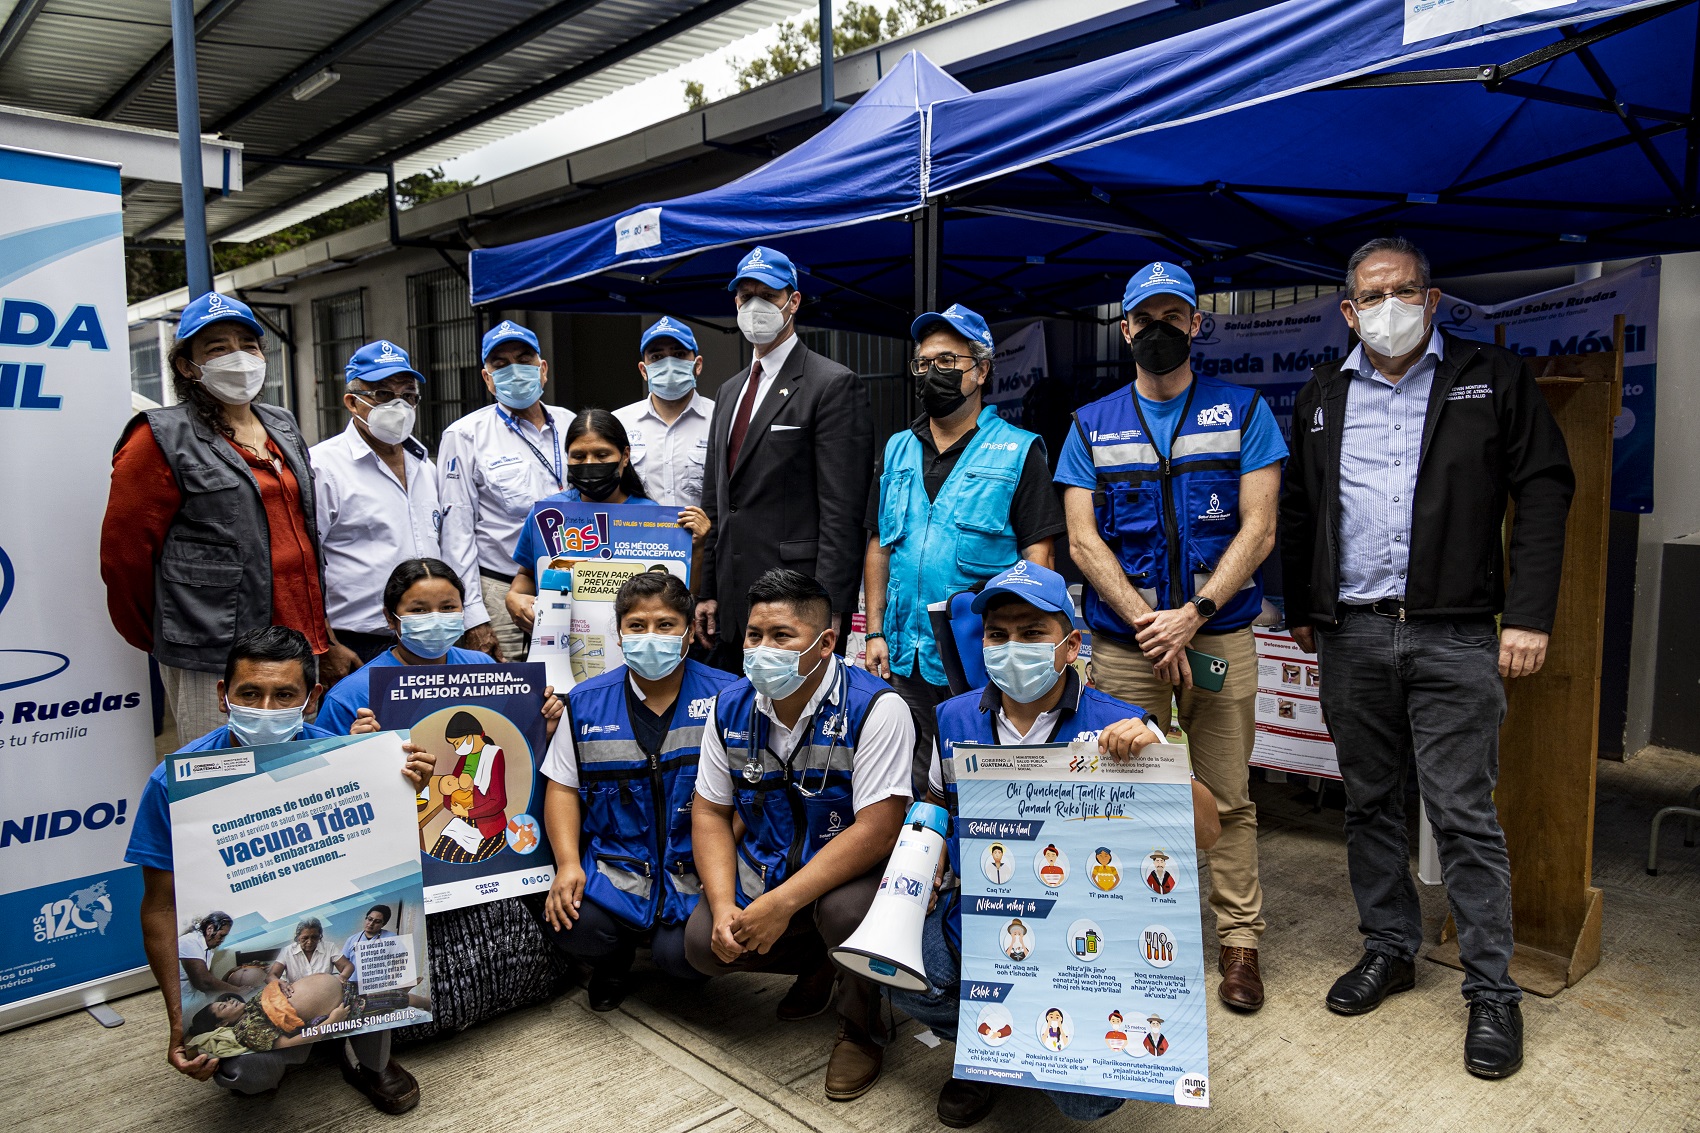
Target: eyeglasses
<point>385,396</point>
<point>1374,299</point>
<point>959,362</point>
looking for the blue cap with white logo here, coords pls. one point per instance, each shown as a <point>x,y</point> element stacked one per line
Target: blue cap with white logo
<point>506,331</point>
<point>771,267</point>
<point>1158,279</point>
<point>959,318</point>
<point>665,327</point>
<point>1036,585</point>
<point>215,308</point>
<point>379,360</point>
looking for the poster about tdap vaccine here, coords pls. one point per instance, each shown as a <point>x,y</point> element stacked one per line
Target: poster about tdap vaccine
<point>1082,952</point>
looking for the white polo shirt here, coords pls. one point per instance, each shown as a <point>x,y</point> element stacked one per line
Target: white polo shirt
<point>491,467</point>
<point>879,767</point>
<point>369,522</point>
<point>669,458</point>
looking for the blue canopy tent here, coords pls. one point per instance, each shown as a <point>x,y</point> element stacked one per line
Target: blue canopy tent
<point>863,170</point>
<point>1259,151</point>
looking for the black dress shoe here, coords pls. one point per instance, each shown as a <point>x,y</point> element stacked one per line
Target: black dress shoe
<point>391,1090</point>
<point>963,1103</point>
<point>1493,1044</point>
<point>809,995</point>
<point>1372,980</point>
<point>606,990</point>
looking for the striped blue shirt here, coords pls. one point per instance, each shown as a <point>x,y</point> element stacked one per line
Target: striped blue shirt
<point>1380,449</point>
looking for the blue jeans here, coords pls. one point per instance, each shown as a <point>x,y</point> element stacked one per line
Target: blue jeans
<point>1393,690</point>
<point>937,1008</point>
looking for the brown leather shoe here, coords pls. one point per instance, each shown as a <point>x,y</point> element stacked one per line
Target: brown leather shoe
<point>1242,983</point>
<point>392,1090</point>
<point>809,995</point>
<point>854,1066</point>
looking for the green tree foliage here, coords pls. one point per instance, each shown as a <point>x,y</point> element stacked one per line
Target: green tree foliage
<point>154,271</point>
<point>695,98</point>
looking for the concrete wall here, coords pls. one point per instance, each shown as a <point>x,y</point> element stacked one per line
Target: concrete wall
<point>1676,473</point>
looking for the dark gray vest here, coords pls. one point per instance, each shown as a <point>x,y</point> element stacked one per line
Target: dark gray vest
<point>214,578</point>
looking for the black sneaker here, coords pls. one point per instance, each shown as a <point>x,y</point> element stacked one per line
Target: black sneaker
<point>607,988</point>
<point>1493,1042</point>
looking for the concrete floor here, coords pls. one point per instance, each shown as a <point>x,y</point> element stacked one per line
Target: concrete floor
<point>1619,1052</point>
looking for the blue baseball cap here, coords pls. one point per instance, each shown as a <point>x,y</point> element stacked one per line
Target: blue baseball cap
<point>959,318</point>
<point>767,265</point>
<point>506,331</point>
<point>379,360</point>
<point>215,308</point>
<point>665,327</point>
<point>1158,279</point>
<point>1038,586</point>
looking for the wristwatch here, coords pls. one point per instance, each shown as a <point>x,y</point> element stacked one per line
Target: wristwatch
<point>1205,607</point>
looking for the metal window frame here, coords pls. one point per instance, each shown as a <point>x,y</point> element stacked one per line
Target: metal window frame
<point>330,354</point>
<point>453,387</point>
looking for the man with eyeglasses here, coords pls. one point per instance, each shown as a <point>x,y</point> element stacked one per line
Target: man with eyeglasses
<point>376,493</point>
<point>1392,554</point>
<point>1170,492</point>
<point>957,497</point>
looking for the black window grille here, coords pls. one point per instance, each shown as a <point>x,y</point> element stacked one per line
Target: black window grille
<point>444,334</point>
<point>339,329</point>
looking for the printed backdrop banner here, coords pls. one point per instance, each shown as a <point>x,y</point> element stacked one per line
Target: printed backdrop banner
<point>1275,351</point>
<point>1018,362</point>
<point>76,739</point>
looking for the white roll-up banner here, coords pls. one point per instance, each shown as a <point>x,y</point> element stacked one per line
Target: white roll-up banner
<point>76,740</point>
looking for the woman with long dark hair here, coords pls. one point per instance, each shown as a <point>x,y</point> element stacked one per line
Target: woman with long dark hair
<point>209,530</point>
<point>599,470</point>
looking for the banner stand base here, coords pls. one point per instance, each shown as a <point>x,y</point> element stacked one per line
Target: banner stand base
<point>28,1011</point>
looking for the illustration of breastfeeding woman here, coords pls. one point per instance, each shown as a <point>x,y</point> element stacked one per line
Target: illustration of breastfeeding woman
<point>475,792</point>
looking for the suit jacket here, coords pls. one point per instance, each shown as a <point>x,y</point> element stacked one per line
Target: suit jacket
<point>800,489</point>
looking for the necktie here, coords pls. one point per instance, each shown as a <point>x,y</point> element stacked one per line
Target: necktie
<point>741,419</point>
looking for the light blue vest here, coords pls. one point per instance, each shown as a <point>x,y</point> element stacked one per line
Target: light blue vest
<point>1169,521</point>
<point>948,544</point>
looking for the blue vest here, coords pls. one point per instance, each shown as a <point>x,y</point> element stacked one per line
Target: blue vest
<point>948,544</point>
<point>793,802</point>
<point>972,719</point>
<point>637,807</point>
<point>1169,521</point>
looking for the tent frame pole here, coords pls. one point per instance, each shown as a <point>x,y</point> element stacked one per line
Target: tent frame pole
<point>928,224</point>
<point>197,253</point>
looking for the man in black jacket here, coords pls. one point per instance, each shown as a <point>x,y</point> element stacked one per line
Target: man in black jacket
<point>1403,455</point>
<point>790,457</point>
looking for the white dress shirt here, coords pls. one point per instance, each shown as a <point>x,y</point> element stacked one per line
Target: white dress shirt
<point>488,477</point>
<point>369,522</point>
<point>298,965</point>
<point>770,366</point>
<point>669,458</point>
<point>879,767</point>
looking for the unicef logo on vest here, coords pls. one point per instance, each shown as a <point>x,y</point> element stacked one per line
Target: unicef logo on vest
<point>1220,414</point>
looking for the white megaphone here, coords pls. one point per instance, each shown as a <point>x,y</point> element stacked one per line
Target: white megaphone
<point>551,626</point>
<point>886,948</point>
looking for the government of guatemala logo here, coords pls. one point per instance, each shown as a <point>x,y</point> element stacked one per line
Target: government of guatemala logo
<point>1220,414</point>
<point>83,911</point>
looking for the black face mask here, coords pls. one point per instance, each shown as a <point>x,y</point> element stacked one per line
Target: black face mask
<point>594,482</point>
<point>1160,347</point>
<point>941,392</point>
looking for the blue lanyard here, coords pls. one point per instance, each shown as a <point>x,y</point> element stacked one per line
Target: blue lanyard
<point>535,451</point>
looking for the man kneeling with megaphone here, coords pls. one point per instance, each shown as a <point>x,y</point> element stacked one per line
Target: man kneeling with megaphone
<point>1035,697</point>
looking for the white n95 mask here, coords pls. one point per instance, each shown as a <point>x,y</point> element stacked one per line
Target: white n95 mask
<point>760,321</point>
<point>1394,327</point>
<point>235,378</point>
<point>392,422</point>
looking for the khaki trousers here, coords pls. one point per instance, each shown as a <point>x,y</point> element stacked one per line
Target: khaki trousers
<point>514,641</point>
<point>1220,727</point>
<point>192,697</point>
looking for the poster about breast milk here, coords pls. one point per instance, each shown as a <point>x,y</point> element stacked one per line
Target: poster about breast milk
<point>1082,952</point>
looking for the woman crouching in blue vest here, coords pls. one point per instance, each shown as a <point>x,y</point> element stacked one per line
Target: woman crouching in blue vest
<point>486,959</point>
<point>622,774</point>
<point>1035,697</point>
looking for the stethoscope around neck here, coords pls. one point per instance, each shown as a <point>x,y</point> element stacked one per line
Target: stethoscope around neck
<point>837,728</point>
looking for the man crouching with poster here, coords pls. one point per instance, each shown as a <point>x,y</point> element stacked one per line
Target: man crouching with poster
<point>1035,697</point>
<point>270,680</point>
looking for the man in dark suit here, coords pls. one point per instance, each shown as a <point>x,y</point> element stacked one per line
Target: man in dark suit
<point>790,457</point>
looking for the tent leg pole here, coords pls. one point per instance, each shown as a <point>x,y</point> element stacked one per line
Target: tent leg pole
<point>197,254</point>
<point>928,255</point>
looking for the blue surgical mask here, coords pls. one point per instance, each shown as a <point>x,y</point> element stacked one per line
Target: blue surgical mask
<point>773,671</point>
<point>256,727</point>
<point>671,378</point>
<point>652,655</point>
<point>430,635</point>
<point>1024,670</point>
<point>518,386</point>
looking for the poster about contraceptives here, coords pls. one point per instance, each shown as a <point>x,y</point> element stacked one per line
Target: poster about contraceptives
<point>298,888</point>
<point>480,815</point>
<point>1082,952</point>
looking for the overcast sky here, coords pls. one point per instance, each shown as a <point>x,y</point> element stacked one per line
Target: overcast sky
<point>642,104</point>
